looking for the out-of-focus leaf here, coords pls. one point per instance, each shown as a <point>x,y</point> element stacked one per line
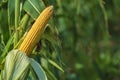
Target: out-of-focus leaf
<point>38,70</point>
<point>116,58</point>
<point>33,7</point>
<point>2,2</point>
<point>7,47</point>
<point>56,65</point>
<point>78,66</point>
<point>11,12</point>
<point>50,36</point>
<point>32,75</point>
<point>50,74</point>
<point>16,65</point>
<point>4,29</point>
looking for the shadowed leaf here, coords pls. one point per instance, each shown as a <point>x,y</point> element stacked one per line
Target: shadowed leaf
<point>33,7</point>
<point>38,69</point>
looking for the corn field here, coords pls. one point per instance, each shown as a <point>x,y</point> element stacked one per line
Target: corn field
<point>59,39</point>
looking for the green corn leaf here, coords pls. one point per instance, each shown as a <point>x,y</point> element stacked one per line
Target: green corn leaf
<point>4,29</point>
<point>38,70</point>
<point>56,65</point>
<point>33,7</point>
<point>16,65</point>
<point>7,47</point>
<point>32,75</point>
<point>50,74</point>
<point>11,12</point>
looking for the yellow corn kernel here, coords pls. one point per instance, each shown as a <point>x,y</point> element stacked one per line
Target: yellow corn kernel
<point>33,36</point>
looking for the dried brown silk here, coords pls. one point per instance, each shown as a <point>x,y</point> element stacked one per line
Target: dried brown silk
<point>33,36</point>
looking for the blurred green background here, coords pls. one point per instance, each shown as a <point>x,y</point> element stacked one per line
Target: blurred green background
<point>89,31</point>
<point>90,34</point>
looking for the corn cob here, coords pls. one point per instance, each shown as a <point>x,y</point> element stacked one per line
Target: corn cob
<point>33,36</point>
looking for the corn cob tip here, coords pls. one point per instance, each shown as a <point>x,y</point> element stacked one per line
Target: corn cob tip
<point>50,8</point>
